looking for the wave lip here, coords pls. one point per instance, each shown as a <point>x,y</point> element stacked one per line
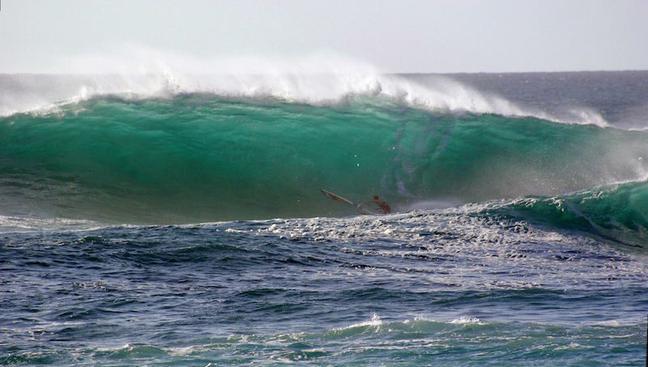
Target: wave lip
<point>49,93</point>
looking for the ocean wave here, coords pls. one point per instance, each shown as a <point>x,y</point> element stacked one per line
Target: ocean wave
<point>442,342</point>
<point>42,94</point>
<point>198,157</point>
<point>617,212</point>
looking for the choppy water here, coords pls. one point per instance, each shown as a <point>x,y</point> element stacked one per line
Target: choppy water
<point>518,239</point>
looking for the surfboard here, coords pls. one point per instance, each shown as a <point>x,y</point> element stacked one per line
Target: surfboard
<point>336,197</point>
<point>368,208</point>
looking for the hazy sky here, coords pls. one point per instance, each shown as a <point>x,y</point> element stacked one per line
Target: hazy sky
<point>396,36</point>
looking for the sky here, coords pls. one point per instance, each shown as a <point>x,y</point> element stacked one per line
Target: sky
<point>395,36</point>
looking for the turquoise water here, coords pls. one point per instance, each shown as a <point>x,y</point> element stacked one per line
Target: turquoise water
<point>190,230</point>
<point>204,158</point>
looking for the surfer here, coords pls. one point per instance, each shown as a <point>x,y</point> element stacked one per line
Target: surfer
<point>382,204</point>
<point>363,208</point>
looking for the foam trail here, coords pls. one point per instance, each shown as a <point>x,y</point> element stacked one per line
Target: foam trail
<point>20,224</point>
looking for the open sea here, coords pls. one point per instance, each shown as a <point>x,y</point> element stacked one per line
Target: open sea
<point>166,220</point>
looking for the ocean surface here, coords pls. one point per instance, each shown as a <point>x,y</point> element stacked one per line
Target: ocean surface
<point>177,220</point>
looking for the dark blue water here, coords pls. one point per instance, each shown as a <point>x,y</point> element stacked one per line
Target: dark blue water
<point>442,288</point>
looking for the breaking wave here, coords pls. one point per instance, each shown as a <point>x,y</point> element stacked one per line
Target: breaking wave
<point>203,156</point>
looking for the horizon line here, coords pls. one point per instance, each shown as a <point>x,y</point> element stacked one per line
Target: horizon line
<point>384,73</point>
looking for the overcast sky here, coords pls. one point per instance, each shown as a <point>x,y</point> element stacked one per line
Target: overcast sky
<point>396,36</point>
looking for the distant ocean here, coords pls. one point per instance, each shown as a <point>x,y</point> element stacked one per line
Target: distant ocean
<point>162,220</point>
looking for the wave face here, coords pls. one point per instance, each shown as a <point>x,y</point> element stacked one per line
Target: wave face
<point>201,157</point>
<point>616,212</point>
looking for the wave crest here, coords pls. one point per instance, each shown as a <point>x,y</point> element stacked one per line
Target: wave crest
<point>319,79</point>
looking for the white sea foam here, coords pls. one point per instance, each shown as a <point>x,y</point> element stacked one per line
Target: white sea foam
<point>467,320</point>
<point>374,321</point>
<point>22,224</point>
<point>322,78</point>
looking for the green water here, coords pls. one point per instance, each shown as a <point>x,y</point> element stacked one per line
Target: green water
<point>202,157</point>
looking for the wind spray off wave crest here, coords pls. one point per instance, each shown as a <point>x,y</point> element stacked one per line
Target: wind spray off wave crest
<point>320,79</point>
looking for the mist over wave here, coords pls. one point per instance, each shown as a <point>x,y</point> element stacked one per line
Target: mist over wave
<point>45,93</point>
<point>319,79</point>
